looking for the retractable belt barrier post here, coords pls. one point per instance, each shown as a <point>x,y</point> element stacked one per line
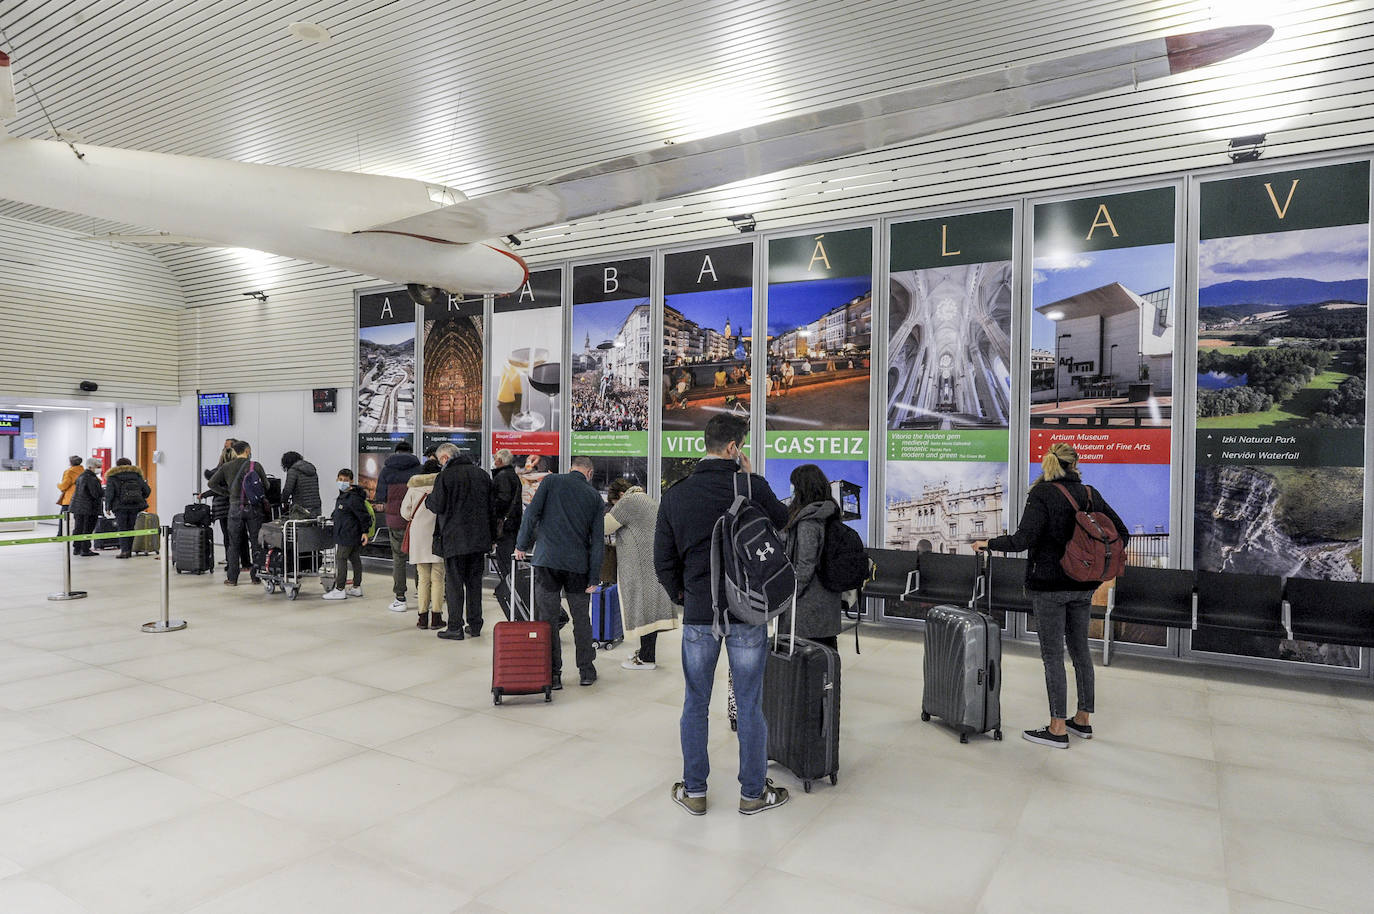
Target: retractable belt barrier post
<point>64,527</point>
<point>165,624</point>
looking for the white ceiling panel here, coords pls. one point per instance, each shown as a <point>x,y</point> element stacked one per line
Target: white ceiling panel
<point>484,96</point>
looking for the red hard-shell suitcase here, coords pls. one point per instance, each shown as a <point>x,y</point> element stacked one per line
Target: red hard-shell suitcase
<point>522,654</point>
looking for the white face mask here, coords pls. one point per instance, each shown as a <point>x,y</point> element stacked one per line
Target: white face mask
<point>343,486</point>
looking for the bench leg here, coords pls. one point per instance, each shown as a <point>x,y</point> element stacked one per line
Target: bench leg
<point>1107,638</point>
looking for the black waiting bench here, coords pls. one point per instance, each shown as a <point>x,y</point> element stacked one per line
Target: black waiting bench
<point>1329,612</point>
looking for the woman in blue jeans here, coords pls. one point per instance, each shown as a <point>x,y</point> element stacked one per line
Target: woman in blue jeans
<point>1062,604</point>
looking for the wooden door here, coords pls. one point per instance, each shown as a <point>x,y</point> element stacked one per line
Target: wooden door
<point>147,444</point>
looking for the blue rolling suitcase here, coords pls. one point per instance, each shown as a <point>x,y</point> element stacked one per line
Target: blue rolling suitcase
<point>608,629</point>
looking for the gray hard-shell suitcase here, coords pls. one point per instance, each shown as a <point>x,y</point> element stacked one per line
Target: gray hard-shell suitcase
<point>963,671</point>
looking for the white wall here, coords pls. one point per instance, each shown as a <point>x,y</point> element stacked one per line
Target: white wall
<point>76,310</point>
<point>279,421</point>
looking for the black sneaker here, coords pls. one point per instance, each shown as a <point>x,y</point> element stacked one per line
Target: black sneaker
<point>558,683</point>
<point>587,679</point>
<point>1082,730</point>
<point>451,634</point>
<point>473,632</point>
<point>1046,738</point>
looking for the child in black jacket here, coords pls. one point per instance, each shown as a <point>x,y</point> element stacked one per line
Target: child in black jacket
<point>352,527</point>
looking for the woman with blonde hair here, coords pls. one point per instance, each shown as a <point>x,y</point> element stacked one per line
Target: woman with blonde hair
<point>1062,604</point>
<point>644,603</point>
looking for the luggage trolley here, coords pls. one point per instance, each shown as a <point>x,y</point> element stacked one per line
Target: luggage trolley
<point>297,550</point>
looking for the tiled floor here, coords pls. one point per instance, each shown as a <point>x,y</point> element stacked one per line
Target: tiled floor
<point>327,757</point>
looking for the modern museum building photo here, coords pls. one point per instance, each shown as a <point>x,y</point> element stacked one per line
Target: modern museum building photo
<point>688,457</point>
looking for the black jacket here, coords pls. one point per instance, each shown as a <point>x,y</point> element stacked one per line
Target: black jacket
<point>351,519</point>
<point>302,487</point>
<point>506,504</point>
<point>391,486</point>
<point>682,541</point>
<point>224,484</point>
<point>566,520</point>
<point>126,489</point>
<point>462,501</point>
<point>1046,528</point>
<point>88,494</point>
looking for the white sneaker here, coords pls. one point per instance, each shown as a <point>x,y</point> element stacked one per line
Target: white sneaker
<point>634,663</point>
<point>354,591</point>
<point>397,606</point>
<point>336,595</point>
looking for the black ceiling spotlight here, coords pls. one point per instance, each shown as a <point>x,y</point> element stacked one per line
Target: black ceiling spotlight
<point>744,222</point>
<point>1246,148</point>
<point>256,296</point>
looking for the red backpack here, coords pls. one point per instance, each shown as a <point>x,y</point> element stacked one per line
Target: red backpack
<point>1095,551</point>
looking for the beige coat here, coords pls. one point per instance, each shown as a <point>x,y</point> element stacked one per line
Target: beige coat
<point>420,518</point>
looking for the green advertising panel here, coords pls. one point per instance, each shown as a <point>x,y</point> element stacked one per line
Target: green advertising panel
<point>950,295</point>
<point>1283,294</point>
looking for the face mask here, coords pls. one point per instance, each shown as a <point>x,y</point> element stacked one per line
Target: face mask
<point>343,486</point>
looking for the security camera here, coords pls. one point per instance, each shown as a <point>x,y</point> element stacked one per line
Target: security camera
<point>89,386</point>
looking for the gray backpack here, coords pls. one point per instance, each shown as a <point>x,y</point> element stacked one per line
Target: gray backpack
<point>748,555</point>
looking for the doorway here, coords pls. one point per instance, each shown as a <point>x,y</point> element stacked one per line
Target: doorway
<point>147,446</point>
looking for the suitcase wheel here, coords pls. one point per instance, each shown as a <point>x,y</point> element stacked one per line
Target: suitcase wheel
<point>496,696</point>
<point>734,726</point>
<point>834,779</point>
<point>293,593</point>
<point>925,715</point>
<point>806,786</point>
<point>548,693</point>
<point>963,737</point>
<point>997,734</point>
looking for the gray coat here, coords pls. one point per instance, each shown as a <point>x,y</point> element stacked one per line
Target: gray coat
<point>818,609</point>
<point>644,603</point>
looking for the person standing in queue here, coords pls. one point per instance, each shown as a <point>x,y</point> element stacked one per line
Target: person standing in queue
<point>353,527</point>
<point>567,522</point>
<point>219,500</point>
<point>462,499</point>
<point>66,486</point>
<point>1062,604</point>
<point>643,601</point>
<point>507,508</point>
<point>419,531</point>
<point>682,560</point>
<point>300,491</point>
<point>391,491</point>
<point>226,483</point>
<point>126,495</point>
<point>818,608</point>
<point>87,496</point>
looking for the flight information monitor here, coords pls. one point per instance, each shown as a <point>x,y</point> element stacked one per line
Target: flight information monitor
<point>216,409</point>
<point>9,423</point>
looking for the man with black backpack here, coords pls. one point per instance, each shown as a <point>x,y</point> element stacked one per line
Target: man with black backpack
<point>691,566</point>
<point>244,482</point>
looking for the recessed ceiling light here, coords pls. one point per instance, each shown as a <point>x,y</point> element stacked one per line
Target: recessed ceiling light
<point>309,31</point>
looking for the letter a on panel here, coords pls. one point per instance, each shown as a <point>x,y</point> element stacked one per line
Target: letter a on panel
<point>1103,218</point>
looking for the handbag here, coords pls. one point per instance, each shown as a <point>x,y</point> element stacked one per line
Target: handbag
<point>610,565</point>
<point>405,540</point>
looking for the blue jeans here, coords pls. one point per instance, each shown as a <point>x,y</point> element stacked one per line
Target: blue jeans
<point>747,647</point>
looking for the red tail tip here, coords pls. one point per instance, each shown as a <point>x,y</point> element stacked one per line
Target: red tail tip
<point>1192,50</point>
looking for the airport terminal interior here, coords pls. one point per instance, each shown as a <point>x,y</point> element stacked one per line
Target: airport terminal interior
<point>554,238</point>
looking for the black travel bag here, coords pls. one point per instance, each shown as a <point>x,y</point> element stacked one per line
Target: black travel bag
<point>193,548</point>
<point>801,703</point>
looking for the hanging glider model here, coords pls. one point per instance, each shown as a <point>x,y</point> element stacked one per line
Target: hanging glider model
<point>393,228</point>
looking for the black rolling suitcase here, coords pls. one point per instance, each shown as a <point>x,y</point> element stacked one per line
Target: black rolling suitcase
<point>193,548</point>
<point>801,703</point>
<point>105,525</point>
